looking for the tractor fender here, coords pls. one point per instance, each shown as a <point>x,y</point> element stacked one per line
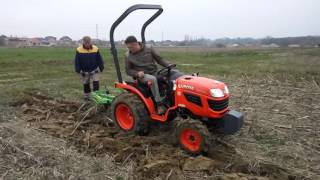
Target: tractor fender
<point>147,101</point>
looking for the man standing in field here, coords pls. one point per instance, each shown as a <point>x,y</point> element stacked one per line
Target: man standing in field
<point>88,63</point>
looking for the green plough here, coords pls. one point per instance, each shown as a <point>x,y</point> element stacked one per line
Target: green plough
<point>102,97</point>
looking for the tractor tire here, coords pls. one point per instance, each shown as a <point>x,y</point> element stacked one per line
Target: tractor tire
<point>130,114</point>
<point>192,135</point>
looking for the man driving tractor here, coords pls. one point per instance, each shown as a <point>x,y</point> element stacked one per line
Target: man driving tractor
<point>141,64</point>
<point>196,104</point>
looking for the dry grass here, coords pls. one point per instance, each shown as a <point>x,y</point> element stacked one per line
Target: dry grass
<point>30,154</point>
<point>282,124</point>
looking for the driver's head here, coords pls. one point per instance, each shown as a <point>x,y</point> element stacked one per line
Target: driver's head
<point>132,44</point>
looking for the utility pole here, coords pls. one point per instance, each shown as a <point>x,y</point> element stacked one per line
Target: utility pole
<point>162,36</point>
<point>97,31</point>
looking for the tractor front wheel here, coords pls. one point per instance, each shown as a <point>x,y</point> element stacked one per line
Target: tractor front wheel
<point>130,114</point>
<point>192,135</point>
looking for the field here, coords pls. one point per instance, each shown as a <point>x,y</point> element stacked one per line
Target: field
<point>47,132</point>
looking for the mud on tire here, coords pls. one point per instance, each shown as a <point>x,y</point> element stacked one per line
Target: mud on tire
<point>130,114</point>
<point>192,135</point>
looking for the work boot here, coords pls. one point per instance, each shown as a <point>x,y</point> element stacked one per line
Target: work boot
<point>86,92</point>
<point>86,88</point>
<point>95,85</point>
<point>86,96</point>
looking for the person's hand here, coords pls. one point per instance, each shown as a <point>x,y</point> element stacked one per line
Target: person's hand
<point>140,74</point>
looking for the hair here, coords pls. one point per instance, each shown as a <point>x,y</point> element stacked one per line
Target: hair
<point>130,39</point>
<point>86,39</point>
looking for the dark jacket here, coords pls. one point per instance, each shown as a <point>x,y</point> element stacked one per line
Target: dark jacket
<point>144,60</point>
<point>87,60</point>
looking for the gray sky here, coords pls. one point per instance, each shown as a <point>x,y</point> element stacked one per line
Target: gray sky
<point>202,18</point>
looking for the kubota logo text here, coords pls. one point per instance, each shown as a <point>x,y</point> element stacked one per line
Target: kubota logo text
<point>184,86</point>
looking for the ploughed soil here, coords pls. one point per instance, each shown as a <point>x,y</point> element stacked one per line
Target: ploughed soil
<point>274,144</point>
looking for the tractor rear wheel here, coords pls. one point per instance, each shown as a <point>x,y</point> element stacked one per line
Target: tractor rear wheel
<point>192,135</point>
<point>130,114</point>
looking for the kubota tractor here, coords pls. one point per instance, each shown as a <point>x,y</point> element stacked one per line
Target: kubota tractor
<point>197,105</point>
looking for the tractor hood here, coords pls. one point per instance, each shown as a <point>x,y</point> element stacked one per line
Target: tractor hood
<point>202,85</point>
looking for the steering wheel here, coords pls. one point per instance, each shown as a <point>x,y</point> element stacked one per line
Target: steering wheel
<point>167,68</point>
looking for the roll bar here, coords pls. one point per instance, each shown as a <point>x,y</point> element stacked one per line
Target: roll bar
<point>120,19</point>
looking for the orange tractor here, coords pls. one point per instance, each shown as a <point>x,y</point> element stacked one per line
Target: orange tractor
<point>197,106</point>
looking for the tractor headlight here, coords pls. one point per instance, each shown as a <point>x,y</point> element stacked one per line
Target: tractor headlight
<point>216,93</point>
<point>226,90</point>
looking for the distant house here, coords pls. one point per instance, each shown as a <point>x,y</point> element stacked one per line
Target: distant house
<point>51,39</point>
<point>294,45</point>
<point>235,45</point>
<point>167,43</point>
<point>3,40</point>
<point>65,41</point>
<point>17,42</point>
<point>272,45</point>
<point>94,41</point>
<point>220,45</point>
<point>34,41</point>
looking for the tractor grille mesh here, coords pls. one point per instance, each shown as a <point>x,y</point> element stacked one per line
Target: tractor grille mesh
<point>218,105</point>
<point>193,99</point>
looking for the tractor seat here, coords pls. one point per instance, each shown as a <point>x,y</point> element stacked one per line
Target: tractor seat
<point>143,87</point>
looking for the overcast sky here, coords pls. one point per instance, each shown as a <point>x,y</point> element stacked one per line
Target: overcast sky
<point>198,18</point>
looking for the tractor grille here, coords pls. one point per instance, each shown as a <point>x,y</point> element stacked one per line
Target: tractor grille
<point>193,99</point>
<point>218,105</point>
